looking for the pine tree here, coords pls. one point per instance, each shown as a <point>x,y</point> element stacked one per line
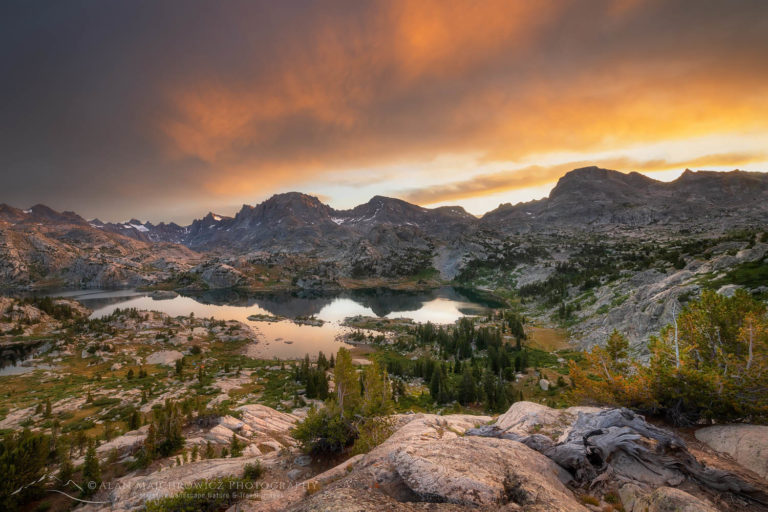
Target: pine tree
<point>91,470</point>
<point>134,421</point>
<point>467,387</point>
<point>235,446</point>
<point>209,452</point>
<point>436,384</point>
<point>347,383</point>
<point>617,349</point>
<point>489,388</point>
<point>377,397</point>
<point>66,470</point>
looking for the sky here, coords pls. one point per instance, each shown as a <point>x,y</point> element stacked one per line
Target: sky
<point>163,111</point>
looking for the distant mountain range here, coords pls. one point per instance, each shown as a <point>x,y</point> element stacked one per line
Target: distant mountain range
<point>593,198</point>
<point>384,236</point>
<point>586,198</point>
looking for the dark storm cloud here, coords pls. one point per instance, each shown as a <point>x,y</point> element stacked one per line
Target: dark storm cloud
<point>160,109</point>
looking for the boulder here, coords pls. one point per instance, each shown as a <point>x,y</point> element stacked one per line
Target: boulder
<point>747,444</point>
<point>125,443</point>
<point>166,357</point>
<point>528,417</point>
<point>662,499</point>
<point>728,290</point>
<point>483,472</point>
<point>609,444</point>
<point>429,459</point>
<point>220,275</point>
<point>231,423</point>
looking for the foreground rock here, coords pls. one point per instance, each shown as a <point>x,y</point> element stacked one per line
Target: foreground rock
<point>429,460</point>
<point>532,458</point>
<point>747,444</point>
<point>473,471</point>
<point>133,490</point>
<point>663,499</point>
<point>263,431</point>
<point>600,447</point>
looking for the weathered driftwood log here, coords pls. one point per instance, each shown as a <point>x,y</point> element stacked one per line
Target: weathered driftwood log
<point>622,443</point>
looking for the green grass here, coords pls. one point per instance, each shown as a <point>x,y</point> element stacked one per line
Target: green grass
<point>279,386</point>
<point>750,274</point>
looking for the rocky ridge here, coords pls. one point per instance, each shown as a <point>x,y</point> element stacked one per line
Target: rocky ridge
<point>293,240</point>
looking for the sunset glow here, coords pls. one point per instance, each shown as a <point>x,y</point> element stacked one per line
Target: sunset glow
<point>449,102</point>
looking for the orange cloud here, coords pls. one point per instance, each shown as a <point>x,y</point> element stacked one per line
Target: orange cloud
<point>408,80</point>
<point>535,175</point>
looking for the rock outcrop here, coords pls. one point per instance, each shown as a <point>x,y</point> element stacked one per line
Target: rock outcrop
<point>430,460</point>
<point>617,441</point>
<point>133,490</point>
<point>662,499</point>
<point>747,444</point>
<point>167,357</point>
<point>474,472</point>
<point>532,458</point>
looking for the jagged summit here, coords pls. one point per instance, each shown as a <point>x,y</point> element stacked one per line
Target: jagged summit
<point>593,197</point>
<point>586,198</point>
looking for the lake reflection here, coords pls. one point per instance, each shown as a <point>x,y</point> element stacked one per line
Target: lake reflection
<point>286,339</point>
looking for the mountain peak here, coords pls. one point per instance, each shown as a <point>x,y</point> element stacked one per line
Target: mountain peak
<point>293,196</point>
<point>215,217</point>
<point>597,179</point>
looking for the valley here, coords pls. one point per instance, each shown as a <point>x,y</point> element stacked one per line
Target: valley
<point>605,250</point>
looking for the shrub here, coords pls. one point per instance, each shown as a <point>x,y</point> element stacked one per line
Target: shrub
<point>325,431</point>
<point>372,432</point>
<point>253,471</point>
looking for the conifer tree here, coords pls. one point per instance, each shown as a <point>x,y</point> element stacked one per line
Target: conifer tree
<point>467,387</point>
<point>377,396</point>
<point>91,470</point>
<point>347,383</point>
<point>235,446</point>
